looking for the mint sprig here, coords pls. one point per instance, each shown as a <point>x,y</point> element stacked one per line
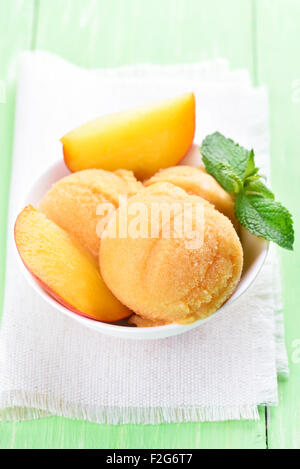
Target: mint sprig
<point>221,154</point>
<point>255,207</point>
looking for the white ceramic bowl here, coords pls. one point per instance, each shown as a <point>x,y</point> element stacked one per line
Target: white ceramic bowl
<point>255,251</point>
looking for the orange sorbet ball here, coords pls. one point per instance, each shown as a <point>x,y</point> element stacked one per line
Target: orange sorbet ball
<point>165,274</point>
<point>197,181</point>
<point>73,202</point>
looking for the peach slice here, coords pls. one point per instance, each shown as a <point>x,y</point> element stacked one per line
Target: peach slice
<point>144,139</point>
<point>67,271</point>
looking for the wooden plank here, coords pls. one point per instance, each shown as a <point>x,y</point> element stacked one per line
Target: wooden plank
<point>64,433</point>
<point>100,33</point>
<point>16,24</point>
<point>278,26</point>
<point>15,35</point>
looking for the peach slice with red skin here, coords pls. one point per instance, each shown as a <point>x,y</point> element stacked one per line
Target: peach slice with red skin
<point>144,139</point>
<point>66,270</point>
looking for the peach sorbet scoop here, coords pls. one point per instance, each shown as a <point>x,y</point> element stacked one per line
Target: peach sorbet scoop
<point>196,181</point>
<point>170,279</point>
<point>73,202</point>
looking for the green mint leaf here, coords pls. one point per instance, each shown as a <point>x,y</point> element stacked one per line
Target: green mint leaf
<point>256,187</point>
<point>225,176</point>
<point>218,149</point>
<point>251,170</point>
<point>266,218</point>
<point>234,168</point>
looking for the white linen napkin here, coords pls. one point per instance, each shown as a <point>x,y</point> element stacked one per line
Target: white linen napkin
<point>52,365</point>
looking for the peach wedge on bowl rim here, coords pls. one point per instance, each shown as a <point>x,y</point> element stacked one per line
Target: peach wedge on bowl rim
<point>144,139</point>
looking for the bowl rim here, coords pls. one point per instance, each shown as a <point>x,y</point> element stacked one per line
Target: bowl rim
<point>100,326</point>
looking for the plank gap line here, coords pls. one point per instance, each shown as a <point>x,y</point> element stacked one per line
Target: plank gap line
<point>35,22</point>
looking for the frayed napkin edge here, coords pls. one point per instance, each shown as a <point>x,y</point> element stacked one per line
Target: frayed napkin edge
<point>20,406</point>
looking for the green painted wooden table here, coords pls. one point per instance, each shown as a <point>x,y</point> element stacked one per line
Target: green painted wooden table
<point>261,35</point>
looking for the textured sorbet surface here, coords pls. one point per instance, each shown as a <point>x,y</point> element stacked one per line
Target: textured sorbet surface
<point>196,181</point>
<point>164,280</point>
<point>138,321</point>
<point>72,202</point>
